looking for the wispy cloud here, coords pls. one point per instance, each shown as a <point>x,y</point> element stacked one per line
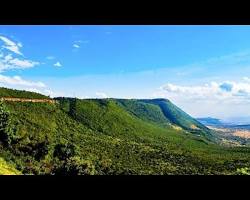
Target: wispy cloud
<point>8,62</point>
<point>11,60</point>
<point>76,46</point>
<point>17,63</point>
<point>242,57</point>
<point>18,81</point>
<point>221,66</point>
<point>58,64</point>
<point>11,46</point>
<point>77,43</point>
<point>19,44</point>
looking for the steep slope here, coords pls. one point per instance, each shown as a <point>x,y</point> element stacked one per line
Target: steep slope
<point>177,116</point>
<point>145,111</point>
<point>164,113</point>
<point>107,116</point>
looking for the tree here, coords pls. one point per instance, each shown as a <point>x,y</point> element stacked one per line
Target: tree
<point>76,166</point>
<point>41,149</point>
<point>7,131</point>
<point>64,151</point>
<point>72,108</point>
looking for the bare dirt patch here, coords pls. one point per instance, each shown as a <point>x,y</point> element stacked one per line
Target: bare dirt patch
<point>242,133</point>
<point>232,131</point>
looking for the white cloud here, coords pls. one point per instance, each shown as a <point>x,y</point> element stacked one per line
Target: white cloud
<point>58,64</point>
<point>17,80</point>
<point>8,58</point>
<point>77,43</point>
<point>8,62</point>
<point>7,41</point>
<point>246,79</point>
<point>223,90</point>
<point>218,99</point>
<point>19,44</point>
<point>13,61</point>
<point>23,63</point>
<point>10,45</point>
<point>76,46</point>
<point>101,95</point>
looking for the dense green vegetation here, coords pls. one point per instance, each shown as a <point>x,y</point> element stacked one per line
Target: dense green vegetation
<point>145,111</point>
<point>179,117</point>
<point>163,113</point>
<point>110,136</point>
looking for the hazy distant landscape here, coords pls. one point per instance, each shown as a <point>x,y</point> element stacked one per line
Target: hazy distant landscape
<point>233,131</point>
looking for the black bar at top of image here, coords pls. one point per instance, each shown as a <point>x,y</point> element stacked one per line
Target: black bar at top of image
<point>120,13</point>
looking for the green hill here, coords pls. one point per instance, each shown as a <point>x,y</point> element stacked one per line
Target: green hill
<point>106,116</point>
<point>6,92</point>
<point>162,112</point>
<point>145,111</point>
<point>176,115</point>
<point>111,136</point>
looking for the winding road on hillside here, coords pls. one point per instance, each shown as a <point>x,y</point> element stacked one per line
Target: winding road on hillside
<point>28,100</point>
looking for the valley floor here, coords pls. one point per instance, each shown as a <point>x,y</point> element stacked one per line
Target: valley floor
<point>234,135</point>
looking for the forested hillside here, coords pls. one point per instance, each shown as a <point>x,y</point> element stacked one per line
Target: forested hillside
<point>111,136</point>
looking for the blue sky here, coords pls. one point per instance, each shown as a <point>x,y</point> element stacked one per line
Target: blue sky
<point>204,70</point>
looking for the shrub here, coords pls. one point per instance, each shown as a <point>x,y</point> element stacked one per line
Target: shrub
<point>64,151</point>
<point>243,171</point>
<point>76,166</point>
<point>7,130</point>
